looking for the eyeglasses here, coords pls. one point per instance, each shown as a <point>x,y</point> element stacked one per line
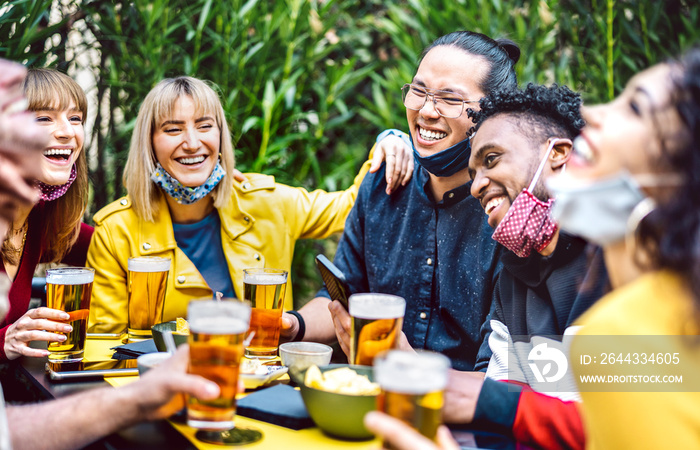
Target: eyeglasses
<point>447,104</point>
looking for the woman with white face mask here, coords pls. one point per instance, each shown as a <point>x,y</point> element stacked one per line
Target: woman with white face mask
<point>632,186</point>
<point>184,204</point>
<point>52,230</point>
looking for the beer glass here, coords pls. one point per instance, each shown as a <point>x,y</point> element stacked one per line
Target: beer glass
<point>376,325</point>
<point>147,279</point>
<point>217,332</point>
<point>69,289</point>
<point>412,388</point>
<point>264,289</point>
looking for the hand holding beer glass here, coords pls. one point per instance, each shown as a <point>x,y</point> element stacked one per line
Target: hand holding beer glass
<point>147,279</point>
<point>377,320</point>
<point>69,289</point>
<point>217,332</point>
<point>413,385</point>
<point>265,289</point>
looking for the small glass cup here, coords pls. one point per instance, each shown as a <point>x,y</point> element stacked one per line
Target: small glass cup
<point>377,320</point>
<point>147,280</point>
<point>413,385</point>
<point>69,289</point>
<point>265,289</point>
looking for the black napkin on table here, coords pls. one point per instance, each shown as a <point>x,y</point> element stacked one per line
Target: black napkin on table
<point>134,349</point>
<point>279,405</point>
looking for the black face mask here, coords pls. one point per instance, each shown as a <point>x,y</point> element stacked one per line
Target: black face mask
<point>447,162</point>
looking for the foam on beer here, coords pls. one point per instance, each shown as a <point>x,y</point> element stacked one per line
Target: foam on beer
<point>218,325</point>
<point>70,276</point>
<point>382,306</point>
<point>411,373</point>
<point>149,264</point>
<point>265,279</point>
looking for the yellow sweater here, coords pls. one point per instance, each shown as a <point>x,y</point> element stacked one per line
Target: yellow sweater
<point>259,228</point>
<point>659,305</point>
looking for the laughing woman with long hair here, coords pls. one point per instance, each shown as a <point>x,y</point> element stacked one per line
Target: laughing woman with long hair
<point>51,231</point>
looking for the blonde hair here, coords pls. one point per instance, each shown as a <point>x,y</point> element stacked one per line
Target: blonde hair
<point>51,89</point>
<point>157,107</point>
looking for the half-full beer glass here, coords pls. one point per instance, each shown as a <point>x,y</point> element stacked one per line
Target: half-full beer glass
<point>217,331</point>
<point>376,325</point>
<point>264,289</point>
<point>147,279</point>
<point>69,289</point>
<point>412,388</point>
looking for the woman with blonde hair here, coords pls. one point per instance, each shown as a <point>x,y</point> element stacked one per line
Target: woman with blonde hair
<point>52,230</point>
<point>184,204</point>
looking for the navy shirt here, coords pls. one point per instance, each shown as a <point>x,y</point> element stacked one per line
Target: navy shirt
<point>439,256</point>
<point>201,242</point>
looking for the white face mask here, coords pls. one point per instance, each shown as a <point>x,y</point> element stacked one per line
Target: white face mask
<point>599,211</point>
<point>595,210</point>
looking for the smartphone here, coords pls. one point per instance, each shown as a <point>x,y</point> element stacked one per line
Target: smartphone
<point>92,369</point>
<point>334,279</point>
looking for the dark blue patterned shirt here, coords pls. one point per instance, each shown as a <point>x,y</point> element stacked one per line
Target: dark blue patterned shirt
<point>439,256</point>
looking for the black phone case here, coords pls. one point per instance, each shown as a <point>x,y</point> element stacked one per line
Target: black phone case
<point>334,280</point>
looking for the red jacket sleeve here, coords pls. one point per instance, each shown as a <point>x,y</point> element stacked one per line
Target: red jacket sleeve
<point>548,422</point>
<point>534,419</point>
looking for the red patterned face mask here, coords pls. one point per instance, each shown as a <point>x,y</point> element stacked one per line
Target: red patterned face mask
<point>49,193</point>
<point>528,224</point>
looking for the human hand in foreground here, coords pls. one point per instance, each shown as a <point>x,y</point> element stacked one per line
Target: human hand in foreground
<point>402,437</point>
<point>399,161</point>
<point>343,326</point>
<point>39,324</point>
<point>21,144</point>
<point>461,394</point>
<point>289,328</point>
<point>159,393</point>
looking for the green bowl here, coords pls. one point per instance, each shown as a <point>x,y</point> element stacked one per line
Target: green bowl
<point>157,332</point>
<point>338,415</point>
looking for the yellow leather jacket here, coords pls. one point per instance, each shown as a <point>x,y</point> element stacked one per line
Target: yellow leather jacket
<point>259,228</point>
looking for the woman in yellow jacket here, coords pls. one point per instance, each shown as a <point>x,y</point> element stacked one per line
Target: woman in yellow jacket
<point>181,190</point>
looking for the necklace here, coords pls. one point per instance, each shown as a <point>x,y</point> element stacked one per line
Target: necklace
<point>11,253</point>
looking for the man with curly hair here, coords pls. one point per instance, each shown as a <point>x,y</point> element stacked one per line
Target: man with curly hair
<point>548,279</point>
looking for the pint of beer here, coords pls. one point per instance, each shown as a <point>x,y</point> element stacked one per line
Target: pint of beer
<point>264,289</point>
<point>217,331</point>
<point>376,325</point>
<point>147,279</point>
<point>69,289</point>
<point>412,388</point>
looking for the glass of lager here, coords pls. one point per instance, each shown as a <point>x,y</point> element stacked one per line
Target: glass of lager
<point>264,289</point>
<point>376,325</point>
<point>147,279</point>
<point>412,388</point>
<point>217,332</point>
<point>69,289</point>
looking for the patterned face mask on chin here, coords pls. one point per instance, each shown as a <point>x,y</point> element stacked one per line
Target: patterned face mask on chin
<point>528,224</point>
<point>182,194</point>
<point>49,193</point>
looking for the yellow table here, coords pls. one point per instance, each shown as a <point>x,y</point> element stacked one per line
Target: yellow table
<point>273,435</point>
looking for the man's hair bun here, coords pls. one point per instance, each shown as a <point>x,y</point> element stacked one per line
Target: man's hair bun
<point>510,47</point>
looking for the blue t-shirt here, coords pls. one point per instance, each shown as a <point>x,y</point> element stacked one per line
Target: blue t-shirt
<point>201,242</point>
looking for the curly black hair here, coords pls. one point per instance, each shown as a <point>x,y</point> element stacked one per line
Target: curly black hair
<point>670,234</point>
<point>545,112</point>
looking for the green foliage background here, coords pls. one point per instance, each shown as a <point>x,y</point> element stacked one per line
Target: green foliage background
<point>308,84</point>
